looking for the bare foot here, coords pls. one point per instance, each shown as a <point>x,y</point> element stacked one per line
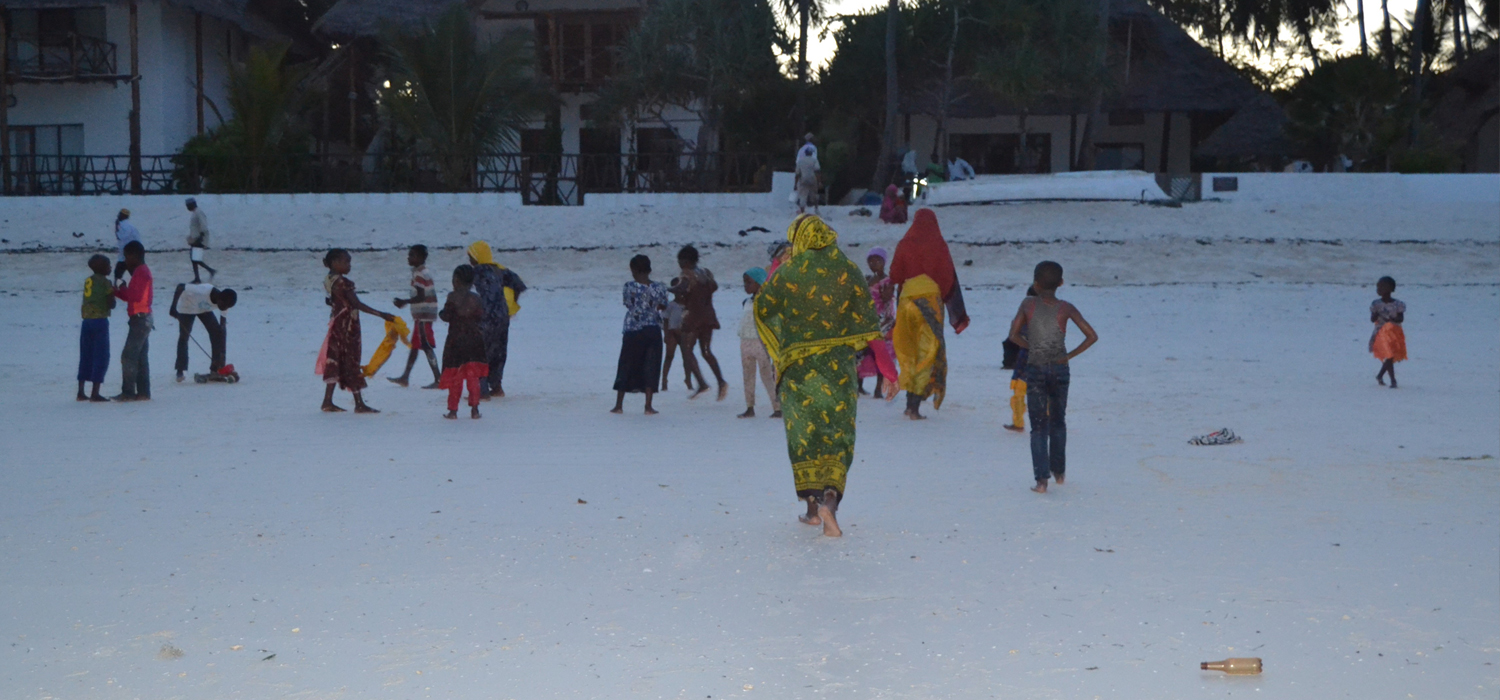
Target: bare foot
<point>1058,477</point>
<point>1015,428</point>
<point>651,411</point>
<point>699,392</point>
<point>749,412</point>
<point>1381,379</point>
<point>617,409</point>
<point>81,397</point>
<point>98,399</point>
<point>474,412</point>
<point>451,415</point>
<point>809,520</point>
<point>433,385</point>
<point>1393,383</point>
<point>830,523</point>
<point>915,416</point>
<point>330,408</point>
<point>363,408</point>
<point>1041,487</point>
<point>776,414</point>
<point>499,392</point>
<point>398,381</point>
<point>723,391</point>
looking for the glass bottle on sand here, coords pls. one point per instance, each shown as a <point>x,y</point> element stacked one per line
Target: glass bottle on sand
<point>1233,667</point>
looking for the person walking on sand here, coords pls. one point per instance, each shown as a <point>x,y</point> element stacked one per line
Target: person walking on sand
<point>1040,327</point>
<point>125,232</point>
<point>879,360</point>
<point>696,286</point>
<point>339,359</point>
<point>424,313</point>
<point>1388,340</point>
<point>808,171</point>
<point>639,367</point>
<point>499,289</point>
<point>753,357</point>
<point>923,268</point>
<point>197,239</point>
<point>814,317</point>
<point>464,361</point>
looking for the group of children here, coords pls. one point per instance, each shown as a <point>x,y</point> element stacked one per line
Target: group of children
<point>192,302</point>
<point>478,312</point>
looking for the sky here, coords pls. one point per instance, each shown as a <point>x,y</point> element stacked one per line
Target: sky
<point>821,49</point>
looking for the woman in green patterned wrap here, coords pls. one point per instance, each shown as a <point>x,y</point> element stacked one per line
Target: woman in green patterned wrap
<point>815,316</point>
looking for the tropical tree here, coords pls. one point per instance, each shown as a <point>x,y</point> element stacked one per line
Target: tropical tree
<point>1042,52</point>
<point>258,148</point>
<point>457,98</point>
<point>1350,107</point>
<point>706,56</point>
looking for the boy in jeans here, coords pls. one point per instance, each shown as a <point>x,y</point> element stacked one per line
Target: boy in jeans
<point>135,369</point>
<point>1040,328</point>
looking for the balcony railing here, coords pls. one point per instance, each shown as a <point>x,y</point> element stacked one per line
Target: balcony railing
<point>541,178</point>
<point>59,56</point>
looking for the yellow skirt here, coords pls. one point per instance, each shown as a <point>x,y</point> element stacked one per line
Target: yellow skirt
<point>920,352</point>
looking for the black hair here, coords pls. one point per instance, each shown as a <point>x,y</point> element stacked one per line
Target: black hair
<point>1048,276</point>
<point>1387,280</point>
<point>225,299</point>
<point>99,264</point>
<point>135,248</point>
<point>420,251</point>
<point>463,274</point>
<point>332,255</point>
<point>640,263</point>
<point>1031,291</point>
<point>688,255</point>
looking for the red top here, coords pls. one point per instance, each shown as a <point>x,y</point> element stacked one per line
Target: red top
<point>924,252</point>
<point>137,292</point>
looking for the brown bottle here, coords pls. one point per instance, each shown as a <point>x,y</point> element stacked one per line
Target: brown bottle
<point>1233,667</point>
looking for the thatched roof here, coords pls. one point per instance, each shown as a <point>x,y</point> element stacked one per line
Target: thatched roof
<point>1168,71</point>
<point>364,18</point>
<point>236,12</point>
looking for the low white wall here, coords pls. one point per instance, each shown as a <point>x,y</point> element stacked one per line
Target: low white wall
<point>1099,185</point>
<point>1313,188</point>
<point>780,195</point>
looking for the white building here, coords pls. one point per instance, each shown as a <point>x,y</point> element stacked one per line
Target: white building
<point>74,69</point>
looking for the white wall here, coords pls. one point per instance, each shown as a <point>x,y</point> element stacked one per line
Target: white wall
<point>1313,188</point>
<point>168,112</point>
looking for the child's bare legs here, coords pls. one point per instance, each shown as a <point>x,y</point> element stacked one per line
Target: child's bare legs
<point>81,395</point>
<point>670,338</point>
<point>620,403</point>
<point>411,360</point>
<point>705,340</point>
<point>1387,367</point>
<point>690,365</point>
<point>914,406</point>
<point>328,406</point>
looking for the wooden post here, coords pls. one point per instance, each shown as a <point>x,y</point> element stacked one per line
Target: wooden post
<point>135,99</point>
<point>1166,142</point>
<point>4,108</point>
<point>353,102</point>
<point>198,62</point>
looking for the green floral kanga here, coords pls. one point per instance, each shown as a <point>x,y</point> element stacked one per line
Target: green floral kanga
<point>815,315</point>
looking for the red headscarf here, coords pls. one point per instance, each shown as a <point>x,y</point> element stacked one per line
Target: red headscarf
<point>924,252</point>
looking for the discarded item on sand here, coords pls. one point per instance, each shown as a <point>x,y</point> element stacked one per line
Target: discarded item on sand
<point>1233,667</point>
<point>862,211</point>
<point>1222,436</point>
<point>395,329</point>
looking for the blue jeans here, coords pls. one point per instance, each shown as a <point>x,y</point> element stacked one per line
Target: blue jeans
<point>1047,402</point>
<point>135,369</point>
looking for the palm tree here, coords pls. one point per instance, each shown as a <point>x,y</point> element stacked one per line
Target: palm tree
<point>804,13</point>
<point>458,98</point>
<point>888,137</point>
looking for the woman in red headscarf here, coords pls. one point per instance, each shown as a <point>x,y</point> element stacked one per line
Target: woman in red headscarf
<point>923,268</point>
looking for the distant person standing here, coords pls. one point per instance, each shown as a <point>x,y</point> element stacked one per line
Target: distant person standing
<point>93,340</point>
<point>1040,327</point>
<point>1387,341</point>
<point>639,368</point>
<point>753,356</point>
<point>959,169</point>
<point>125,232</point>
<point>808,172</point>
<point>197,239</point>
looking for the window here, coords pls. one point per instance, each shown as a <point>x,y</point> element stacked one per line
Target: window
<point>53,42</point>
<point>44,158</point>
<point>578,49</point>
<point>1121,156</point>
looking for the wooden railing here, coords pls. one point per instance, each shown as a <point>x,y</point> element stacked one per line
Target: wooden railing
<point>59,56</point>
<point>541,178</point>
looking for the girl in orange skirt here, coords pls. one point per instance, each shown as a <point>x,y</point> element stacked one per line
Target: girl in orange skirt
<point>1387,343</point>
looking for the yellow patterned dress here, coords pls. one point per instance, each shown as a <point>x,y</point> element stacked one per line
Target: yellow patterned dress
<point>815,316</point>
